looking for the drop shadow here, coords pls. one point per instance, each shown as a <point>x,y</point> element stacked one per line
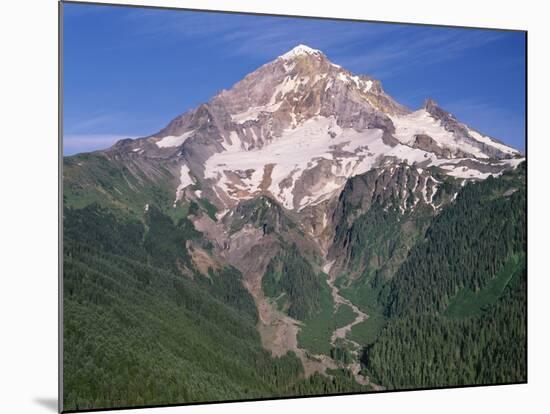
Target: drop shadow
<point>49,403</point>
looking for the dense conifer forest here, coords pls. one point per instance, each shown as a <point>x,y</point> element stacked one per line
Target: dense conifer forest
<point>138,333</point>
<point>445,294</point>
<point>456,308</point>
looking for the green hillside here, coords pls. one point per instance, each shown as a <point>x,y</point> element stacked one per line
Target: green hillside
<point>138,332</point>
<point>444,291</point>
<point>456,308</point>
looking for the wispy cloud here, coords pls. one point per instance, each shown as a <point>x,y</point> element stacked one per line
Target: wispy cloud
<point>475,107</point>
<point>490,119</point>
<point>253,36</point>
<point>471,105</point>
<point>384,49</point>
<point>421,47</point>
<point>91,123</point>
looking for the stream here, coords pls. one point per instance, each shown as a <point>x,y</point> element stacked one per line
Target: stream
<point>342,332</point>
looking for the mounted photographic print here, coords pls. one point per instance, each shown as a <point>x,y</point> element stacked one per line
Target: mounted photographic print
<point>259,207</point>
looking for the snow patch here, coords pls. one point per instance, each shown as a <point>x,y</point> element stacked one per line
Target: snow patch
<point>513,162</point>
<point>464,172</point>
<point>300,50</point>
<point>253,113</point>
<point>233,144</point>
<point>488,141</point>
<point>185,180</point>
<point>349,79</point>
<point>322,194</point>
<point>174,141</point>
<point>343,77</point>
<point>368,86</point>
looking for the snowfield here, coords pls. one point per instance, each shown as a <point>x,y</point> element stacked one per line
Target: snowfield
<point>242,174</point>
<point>299,50</point>
<point>421,122</point>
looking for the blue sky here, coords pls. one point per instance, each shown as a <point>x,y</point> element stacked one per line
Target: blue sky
<point>129,71</point>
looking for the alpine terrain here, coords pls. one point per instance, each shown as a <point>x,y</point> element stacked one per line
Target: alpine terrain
<point>301,233</point>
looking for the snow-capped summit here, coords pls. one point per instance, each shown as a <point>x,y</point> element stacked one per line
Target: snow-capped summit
<point>298,129</point>
<point>300,50</point>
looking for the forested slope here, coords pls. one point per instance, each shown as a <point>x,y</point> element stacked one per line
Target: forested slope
<point>138,332</point>
<point>456,308</point>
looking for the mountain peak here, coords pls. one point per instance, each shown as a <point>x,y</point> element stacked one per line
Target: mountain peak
<point>300,50</point>
<point>430,104</point>
<point>297,128</point>
<point>435,110</point>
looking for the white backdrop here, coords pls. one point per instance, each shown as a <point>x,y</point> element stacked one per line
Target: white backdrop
<point>28,205</point>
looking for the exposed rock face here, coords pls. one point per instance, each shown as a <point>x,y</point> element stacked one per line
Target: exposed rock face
<point>427,143</point>
<point>380,213</point>
<point>400,187</point>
